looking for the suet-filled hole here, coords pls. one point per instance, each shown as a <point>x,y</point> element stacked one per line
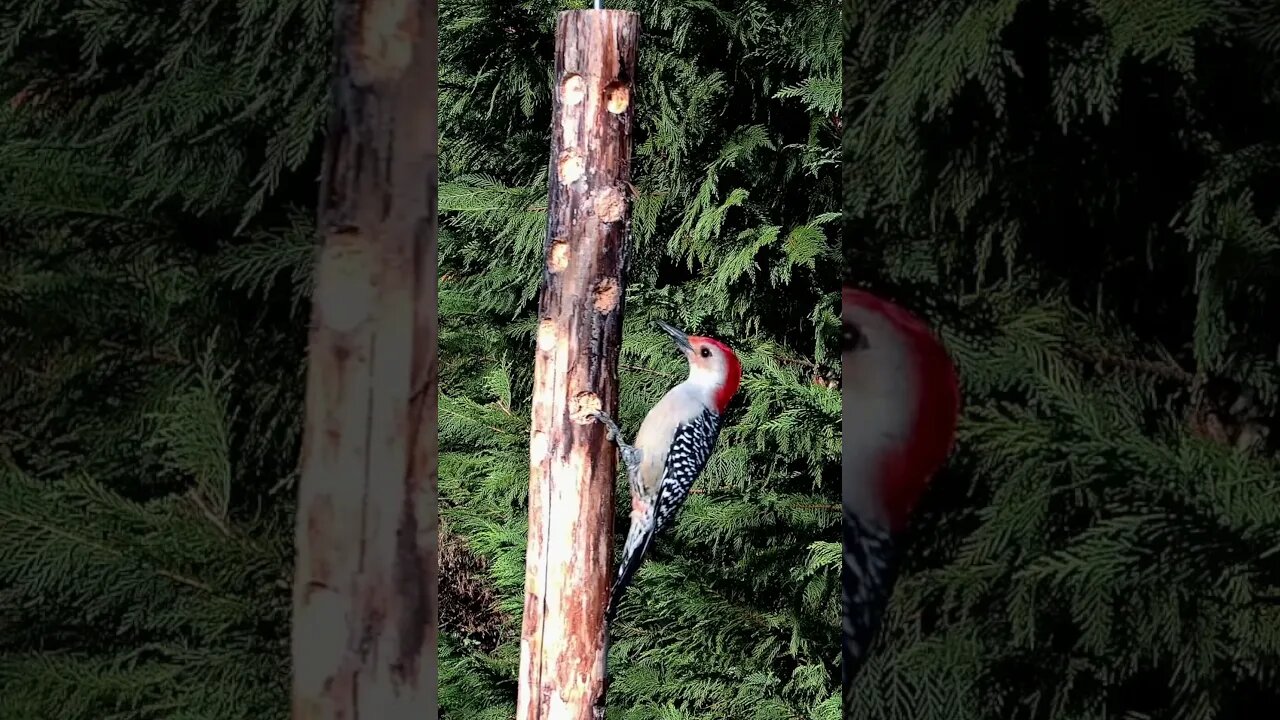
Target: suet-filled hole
<point>605,295</point>
<point>573,89</point>
<point>547,335</point>
<point>617,97</point>
<point>583,407</point>
<point>608,205</point>
<point>572,166</point>
<point>385,47</point>
<point>558,257</point>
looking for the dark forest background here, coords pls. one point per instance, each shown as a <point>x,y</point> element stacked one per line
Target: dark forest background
<point>1084,197</point>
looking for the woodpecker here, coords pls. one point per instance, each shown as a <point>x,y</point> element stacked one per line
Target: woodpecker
<point>672,447</point>
<point>901,405</point>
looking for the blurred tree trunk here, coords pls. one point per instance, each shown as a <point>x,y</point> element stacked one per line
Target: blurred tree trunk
<point>365,610</point>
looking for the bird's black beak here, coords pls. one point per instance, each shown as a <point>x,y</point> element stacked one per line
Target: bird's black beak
<point>681,339</point>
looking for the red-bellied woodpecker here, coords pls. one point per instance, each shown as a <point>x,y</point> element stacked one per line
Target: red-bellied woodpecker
<point>901,402</point>
<point>672,447</point>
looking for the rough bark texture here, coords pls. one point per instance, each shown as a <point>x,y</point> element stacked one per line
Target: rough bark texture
<point>365,610</point>
<point>572,465</point>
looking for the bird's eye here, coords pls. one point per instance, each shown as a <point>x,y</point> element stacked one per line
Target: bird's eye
<point>706,352</point>
<point>851,338</point>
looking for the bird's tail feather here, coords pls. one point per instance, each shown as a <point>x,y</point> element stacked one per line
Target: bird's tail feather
<point>636,548</point>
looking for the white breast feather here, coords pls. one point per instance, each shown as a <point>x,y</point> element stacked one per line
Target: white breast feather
<point>878,402</point>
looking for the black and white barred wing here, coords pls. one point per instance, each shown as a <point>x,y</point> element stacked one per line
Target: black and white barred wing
<point>691,447</point>
<point>867,576</point>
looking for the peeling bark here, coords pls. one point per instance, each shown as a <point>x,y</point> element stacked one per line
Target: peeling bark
<point>572,465</point>
<point>365,607</point>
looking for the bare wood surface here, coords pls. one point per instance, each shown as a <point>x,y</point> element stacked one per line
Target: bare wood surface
<point>365,611</point>
<point>572,465</point>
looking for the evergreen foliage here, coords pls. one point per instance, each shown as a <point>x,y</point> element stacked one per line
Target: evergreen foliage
<point>1082,195</point>
<point>157,190</point>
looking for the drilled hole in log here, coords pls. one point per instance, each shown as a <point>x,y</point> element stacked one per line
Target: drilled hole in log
<point>386,37</point>
<point>558,257</point>
<point>605,295</point>
<point>572,166</point>
<point>609,205</point>
<point>617,97</point>
<point>547,335</point>
<point>573,90</point>
<point>583,406</point>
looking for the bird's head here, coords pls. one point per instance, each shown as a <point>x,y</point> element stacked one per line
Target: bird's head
<point>714,371</point>
<point>901,403</point>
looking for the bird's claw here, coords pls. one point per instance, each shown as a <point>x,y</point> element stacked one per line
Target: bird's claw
<point>612,431</point>
<point>630,454</point>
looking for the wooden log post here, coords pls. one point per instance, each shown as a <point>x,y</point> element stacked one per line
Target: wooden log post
<point>572,464</point>
<point>364,596</point>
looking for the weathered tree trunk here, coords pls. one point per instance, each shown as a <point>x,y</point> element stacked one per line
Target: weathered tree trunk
<point>572,464</point>
<point>365,613</point>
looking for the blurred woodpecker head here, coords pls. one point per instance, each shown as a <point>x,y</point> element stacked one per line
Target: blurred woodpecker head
<point>714,371</point>
<point>900,406</point>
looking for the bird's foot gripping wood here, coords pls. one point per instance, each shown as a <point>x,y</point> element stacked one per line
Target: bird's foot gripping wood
<point>630,454</point>
<point>615,432</point>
